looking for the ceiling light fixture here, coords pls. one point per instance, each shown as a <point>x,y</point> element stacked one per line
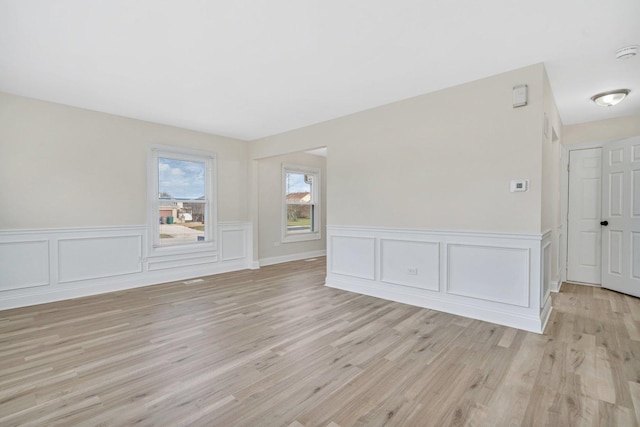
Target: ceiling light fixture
<point>626,52</point>
<point>611,98</point>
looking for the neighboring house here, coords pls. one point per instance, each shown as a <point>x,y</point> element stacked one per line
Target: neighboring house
<point>181,211</point>
<point>295,211</point>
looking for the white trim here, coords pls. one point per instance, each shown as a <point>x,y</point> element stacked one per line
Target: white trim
<point>154,151</point>
<point>123,283</point>
<point>545,314</point>
<point>564,199</point>
<point>423,232</point>
<point>68,230</point>
<point>42,271</point>
<point>479,285</point>
<point>285,236</point>
<point>293,257</point>
<point>94,277</point>
<point>525,297</point>
<point>407,295</point>
<point>138,264</point>
<point>593,285</point>
<point>555,286</point>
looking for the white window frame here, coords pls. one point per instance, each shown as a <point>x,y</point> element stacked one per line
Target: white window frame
<point>156,151</point>
<point>287,236</point>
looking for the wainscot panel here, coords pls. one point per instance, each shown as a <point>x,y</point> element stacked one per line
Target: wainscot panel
<point>84,258</point>
<point>24,264</point>
<point>353,256</point>
<point>496,277</point>
<point>233,243</point>
<point>39,266</point>
<point>493,273</point>
<point>410,263</point>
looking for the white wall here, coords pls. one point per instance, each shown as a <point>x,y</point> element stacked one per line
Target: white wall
<point>271,248</point>
<point>438,161</point>
<point>602,130</point>
<point>69,167</point>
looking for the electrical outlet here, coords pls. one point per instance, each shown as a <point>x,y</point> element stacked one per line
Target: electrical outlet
<point>413,271</point>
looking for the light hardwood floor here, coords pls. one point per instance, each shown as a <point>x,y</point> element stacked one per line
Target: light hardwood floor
<point>274,347</point>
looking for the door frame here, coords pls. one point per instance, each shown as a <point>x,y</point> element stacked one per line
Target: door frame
<point>564,201</point>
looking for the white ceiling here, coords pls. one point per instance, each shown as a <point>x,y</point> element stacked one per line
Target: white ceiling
<point>249,69</point>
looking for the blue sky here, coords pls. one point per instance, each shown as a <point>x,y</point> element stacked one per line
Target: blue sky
<point>296,184</point>
<point>182,179</point>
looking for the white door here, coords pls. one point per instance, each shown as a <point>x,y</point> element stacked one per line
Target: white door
<point>621,211</point>
<point>584,230</point>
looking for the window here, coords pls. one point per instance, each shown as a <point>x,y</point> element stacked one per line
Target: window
<point>301,210</point>
<point>181,211</point>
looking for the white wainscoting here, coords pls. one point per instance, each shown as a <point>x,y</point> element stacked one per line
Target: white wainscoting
<point>398,256</point>
<point>498,277</point>
<point>24,264</point>
<point>353,256</point>
<point>472,272</point>
<point>38,266</point>
<point>84,258</point>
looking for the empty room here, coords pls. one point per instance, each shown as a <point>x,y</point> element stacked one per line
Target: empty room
<point>303,213</point>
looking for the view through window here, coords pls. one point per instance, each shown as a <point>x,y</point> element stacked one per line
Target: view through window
<point>182,202</point>
<point>301,203</point>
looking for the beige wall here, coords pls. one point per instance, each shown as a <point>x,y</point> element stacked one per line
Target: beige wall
<point>438,161</point>
<point>602,130</point>
<point>69,167</point>
<point>270,205</point>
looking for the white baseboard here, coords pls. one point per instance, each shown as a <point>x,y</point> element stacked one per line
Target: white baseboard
<point>40,266</point>
<point>545,314</point>
<point>555,286</point>
<point>436,302</point>
<point>292,257</point>
<point>496,277</point>
<point>95,287</point>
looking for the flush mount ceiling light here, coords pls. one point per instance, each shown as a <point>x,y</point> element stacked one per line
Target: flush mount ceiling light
<point>611,98</point>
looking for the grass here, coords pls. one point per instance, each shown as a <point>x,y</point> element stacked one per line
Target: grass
<point>299,222</point>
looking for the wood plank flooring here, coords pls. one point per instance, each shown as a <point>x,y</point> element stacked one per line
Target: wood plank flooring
<point>274,347</point>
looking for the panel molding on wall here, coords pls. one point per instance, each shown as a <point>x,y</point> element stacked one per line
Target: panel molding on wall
<point>421,258</point>
<point>24,264</point>
<point>472,271</point>
<point>353,256</point>
<point>85,258</point>
<point>38,266</point>
<point>233,243</point>
<point>496,277</point>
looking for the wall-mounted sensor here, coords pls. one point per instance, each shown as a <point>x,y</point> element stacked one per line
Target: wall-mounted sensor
<point>518,185</point>
<point>519,96</point>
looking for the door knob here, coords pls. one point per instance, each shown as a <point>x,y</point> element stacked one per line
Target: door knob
<point>605,223</point>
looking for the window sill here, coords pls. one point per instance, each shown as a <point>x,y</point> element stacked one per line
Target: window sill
<point>302,237</point>
<point>159,251</point>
